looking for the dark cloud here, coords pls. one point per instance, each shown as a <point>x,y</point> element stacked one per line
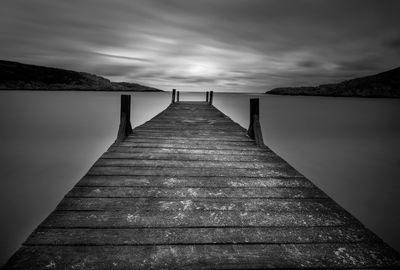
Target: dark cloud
<point>308,64</point>
<point>353,66</point>
<point>224,44</point>
<point>122,57</point>
<point>394,44</point>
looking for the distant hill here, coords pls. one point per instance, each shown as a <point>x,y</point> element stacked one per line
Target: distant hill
<point>385,84</point>
<point>17,76</point>
<point>137,87</point>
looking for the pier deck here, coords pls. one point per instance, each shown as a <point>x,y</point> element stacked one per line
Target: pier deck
<point>188,189</point>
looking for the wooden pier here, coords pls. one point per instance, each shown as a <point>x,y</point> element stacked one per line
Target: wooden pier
<point>191,189</point>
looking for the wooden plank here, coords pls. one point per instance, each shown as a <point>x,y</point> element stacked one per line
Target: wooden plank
<point>271,172</point>
<point>257,256</point>
<point>126,149</point>
<point>189,123</point>
<point>193,126</point>
<point>132,219</point>
<point>191,181</point>
<point>193,145</point>
<point>189,141</point>
<point>197,204</point>
<point>190,117</point>
<point>174,132</point>
<point>158,192</point>
<point>164,236</point>
<point>184,120</point>
<point>171,120</point>
<point>193,129</point>
<point>185,134</point>
<point>267,157</point>
<point>138,136</point>
<point>195,111</point>
<point>188,163</point>
<point>206,120</point>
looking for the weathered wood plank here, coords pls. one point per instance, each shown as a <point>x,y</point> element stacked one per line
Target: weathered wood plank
<point>267,157</point>
<point>197,113</point>
<point>136,135</point>
<point>189,163</point>
<point>193,145</point>
<point>187,134</point>
<point>164,120</point>
<point>198,204</point>
<point>172,132</point>
<point>181,139</point>
<point>158,192</point>
<point>253,152</point>
<point>194,112</point>
<point>271,172</point>
<point>189,141</point>
<point>190,117</point>
<point>192,127</point>
<point>222,130</point>
<point>129,219</point>
<point>257,256</point>
<point>222,122</point>
<point>191,181</point>
<point>163,236</point>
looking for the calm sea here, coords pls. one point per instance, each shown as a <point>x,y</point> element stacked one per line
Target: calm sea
<point>349,147</point>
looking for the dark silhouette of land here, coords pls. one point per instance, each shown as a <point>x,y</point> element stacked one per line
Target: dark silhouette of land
<point>17,76</point>
<point>385,84</point>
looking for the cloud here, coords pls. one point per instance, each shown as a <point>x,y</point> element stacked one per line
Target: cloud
<point>393,44</point>
<point>123,57</point>
<point>221,45</point>
<point>357,65</point>
<point>308,64</point>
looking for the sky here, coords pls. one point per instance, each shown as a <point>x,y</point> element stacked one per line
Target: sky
<point>220,45</point>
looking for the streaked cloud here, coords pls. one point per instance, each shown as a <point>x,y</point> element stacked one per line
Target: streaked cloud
<point>226,45</point>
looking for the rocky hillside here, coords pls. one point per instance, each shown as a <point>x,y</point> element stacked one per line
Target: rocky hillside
<point>385,84</point>
<point>17,76</point>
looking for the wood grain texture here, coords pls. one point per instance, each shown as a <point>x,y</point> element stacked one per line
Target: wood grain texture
<point>213,218</point>
<point>215,256</point>
<point>203,192</point>
<point>191,181</point>
<point>198,204</point>
<point>217,235</point>
<point>273,171</point>
<point>190,190</point>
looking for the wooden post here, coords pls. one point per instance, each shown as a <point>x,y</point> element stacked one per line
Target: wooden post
<point>177,96</point>
<point>211,97</point>
<point>206,96</point>
<point>173,95</point>
<point>254,130</point>
<point>125,127</point>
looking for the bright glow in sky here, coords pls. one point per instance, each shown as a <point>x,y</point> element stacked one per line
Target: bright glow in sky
<point>224,45</point>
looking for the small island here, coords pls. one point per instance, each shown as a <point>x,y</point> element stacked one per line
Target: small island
<point>382,85</point>
<point>18,76</point>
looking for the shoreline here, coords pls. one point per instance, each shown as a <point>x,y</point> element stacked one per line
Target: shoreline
<point>84,90</point>
<point>335,96</point>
